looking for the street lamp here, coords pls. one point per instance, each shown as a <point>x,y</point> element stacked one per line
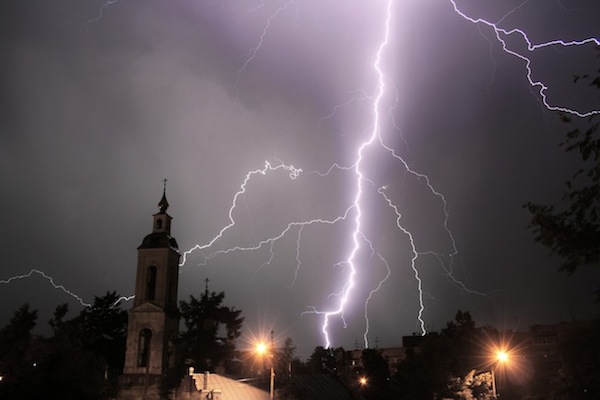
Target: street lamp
<point>501,358</point>
<point>191,374</point>
<point>263,350</point>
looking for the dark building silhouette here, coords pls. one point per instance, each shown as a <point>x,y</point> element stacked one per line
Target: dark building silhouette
<point>153,320</point>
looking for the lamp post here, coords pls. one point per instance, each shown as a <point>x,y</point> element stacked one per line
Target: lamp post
<point>501,358</point>
<point>262,350</point>
<point>191,374</point>
<point>494,394</point>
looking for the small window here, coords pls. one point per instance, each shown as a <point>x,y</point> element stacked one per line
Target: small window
<point>159,224</point>
<point>144,347</point>
<point>151,283</point>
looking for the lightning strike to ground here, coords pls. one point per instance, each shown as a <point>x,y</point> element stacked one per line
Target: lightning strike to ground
<point>413,260</point>
<point>357,209</point>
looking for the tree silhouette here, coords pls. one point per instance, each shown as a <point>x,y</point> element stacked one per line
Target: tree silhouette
<point>80,361</point>
<point>376,367</point>
<point>573,231</point>
<point>15,364</point>
<point>211,330</point>
<point>322,360</point>
<point>104,333</point>
<point>443,365</point>
<point>283,359</point>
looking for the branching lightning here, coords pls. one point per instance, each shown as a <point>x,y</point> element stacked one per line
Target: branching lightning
<point>502,34</point>
<point>375,137</point>
<point>356,210</point>
<point>371,293</point>
<point>357,207</point>
<point>413,259</point>
<point>356,235</point>
<point>293,174</point>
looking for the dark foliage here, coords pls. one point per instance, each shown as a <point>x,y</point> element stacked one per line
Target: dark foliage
<point>432,368</point>
<point>323,360</point>
<point>572,231</point>
<point>580,373</point>
<point>211,330</point>
<point>15,365</point>
<point>81,360</point>
<point>284,358</point>
<point>376,368</point>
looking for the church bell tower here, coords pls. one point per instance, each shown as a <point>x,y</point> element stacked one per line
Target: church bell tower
<point>153,320</point>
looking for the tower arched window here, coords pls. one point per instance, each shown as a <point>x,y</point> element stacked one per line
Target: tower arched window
<point>144,347</point>
<point>159,224</point>
<point>151,283</point>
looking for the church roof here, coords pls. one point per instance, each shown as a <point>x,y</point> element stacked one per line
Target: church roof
<point>163,204</point>
<point>158,240</point>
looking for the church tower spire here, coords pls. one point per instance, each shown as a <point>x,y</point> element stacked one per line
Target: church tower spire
<point>162,220</point>
<point>153,320</point>
<point>163,204</point>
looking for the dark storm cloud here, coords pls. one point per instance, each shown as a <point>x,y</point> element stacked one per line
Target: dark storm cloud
<point>95,112</point>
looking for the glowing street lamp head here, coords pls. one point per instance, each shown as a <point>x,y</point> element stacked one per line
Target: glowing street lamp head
<point>502,356</point>
<point>261,348</point>
<point>362,381</point>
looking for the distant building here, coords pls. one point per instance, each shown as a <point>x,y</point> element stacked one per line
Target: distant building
<point>413,342</point>
<point>153,321</point>
<point>394,357</point>
<point>545,349</point>
<point>354,364</point>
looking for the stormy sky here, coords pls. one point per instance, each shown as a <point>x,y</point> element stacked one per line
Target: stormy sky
<point>100,101</point>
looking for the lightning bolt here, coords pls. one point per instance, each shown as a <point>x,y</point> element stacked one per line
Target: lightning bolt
<point>370,296</point>
<point>60,287</point>
<point>97,18</point>
<point>293,174</point>
<point>356,209</point>
<point>413,259</point>
<point>357,205</point>
<point>254,50</point>
<point>123,299</point>
<point>49,279</point>
<point>268,168</point>
<point>502,35</point>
